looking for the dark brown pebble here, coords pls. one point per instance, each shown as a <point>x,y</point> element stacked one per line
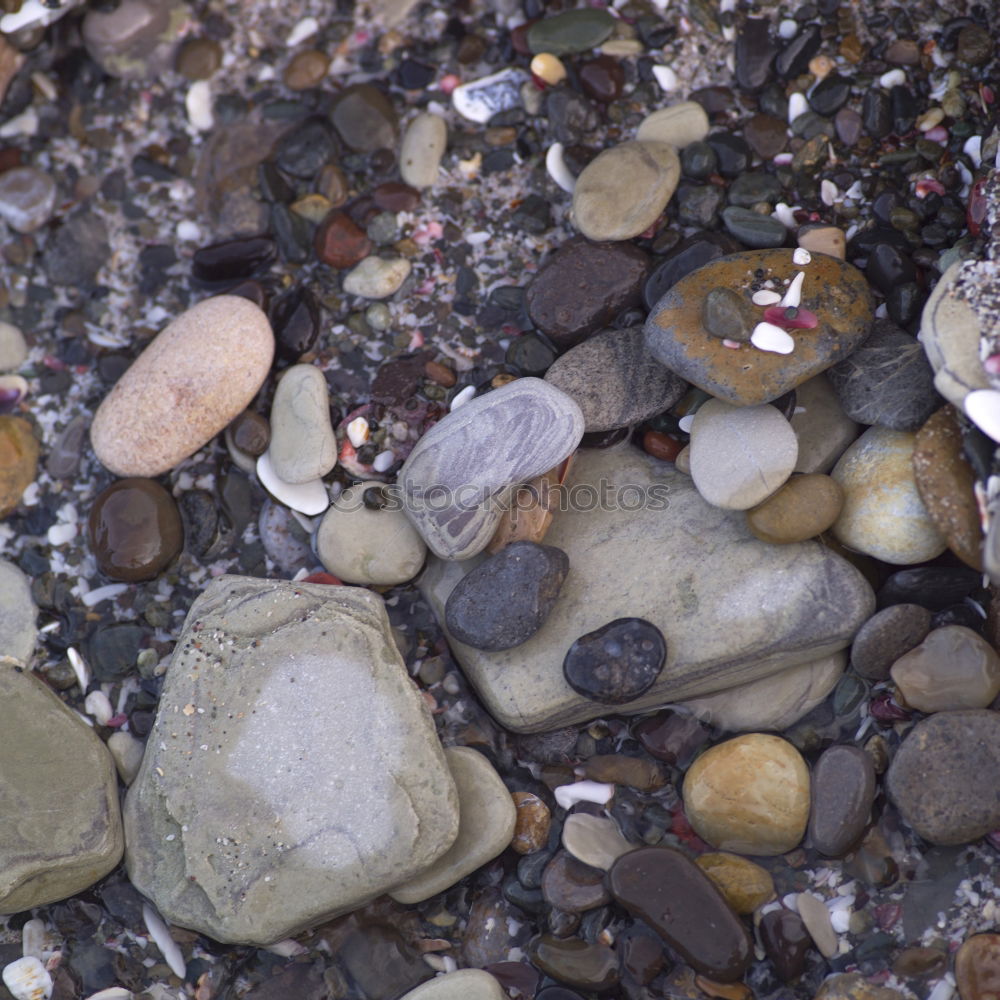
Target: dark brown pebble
<point>572,886</point>
<point>661,446</point>
<point>843,789</point>
<point>671,736</point>
<point>250,433</point>
<point>439,373</point>
<point>602,79</point>
<point>394,196</point>
<point>575,962</point>
<point>786,942</point>
<point>619,769</point>
<point>341,242</point>
<point>199,58</point>
<point>306,69</point>
<point>766,135</point>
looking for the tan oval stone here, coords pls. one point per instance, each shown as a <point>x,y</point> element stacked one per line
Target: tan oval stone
<point>823,239</point>
<point>679,125</point>
<point>185,387</point>
<point>18,461</point>
<point>977,967</point>
<point>749,795</point>
<point>623,190</point>
<point>803,508</point>
<point>744,884</point>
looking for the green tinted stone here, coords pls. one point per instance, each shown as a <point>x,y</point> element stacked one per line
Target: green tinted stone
<point>573,31</point>
<point>752,229</point>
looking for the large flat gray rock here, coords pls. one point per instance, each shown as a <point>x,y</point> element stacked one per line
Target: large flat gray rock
<point>293,772</point>
<point>732,608</point>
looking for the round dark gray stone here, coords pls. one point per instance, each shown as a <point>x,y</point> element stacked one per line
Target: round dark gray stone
<point>886,636</point>
<point>617,662</point>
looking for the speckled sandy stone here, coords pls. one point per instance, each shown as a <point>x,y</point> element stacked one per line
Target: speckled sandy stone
<point>303,446</point>
<point>803,508</point>
<point>679,125</point>
<point>883,515</point>
<point>744,884</point>
<point>185,387</point>
<point>749,795</point>
<point>313,780</point>
<point>623,190</point>
<point>977,967</point>
<point>836,292</point>
<point>422,148</point>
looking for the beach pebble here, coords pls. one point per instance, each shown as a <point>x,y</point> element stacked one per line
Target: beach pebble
<point>594,840</point>
<point>505,437</point>
<point>883,515</point>
<point>365,118</point>
<point>616,663</point>
<point>17,614</point>
<point>803,508</point>
<point>323,661</point>
<point>570,32</point>
<point>575,962</point>
<point>678,126</point>
<point>823,239</point>
<point>422,149</point>
<point>185,387</point>
<point>615,380</point>
<point>127,753</point>
<point>623,190</point>
<point>938,773</point>
<point>749,795</point>
<point>134,530</point>
<point>977,966</point>
<point>704,931</point>
<point>53,762</point>
<point>843,790</point>
<point>368,544</point>
<point>340,242</point>
<point>786,942</point>
<point>823,430</point>
<point>506,599</point>
<point>534,819</point>
<point>740,455</point>
<point>13,347</point>
<point>19,451</point>
<point>479,100</point>
<point>952,668</point>
<point>137,39</point>
<point>462,984</point>
<point>570,886</point>
<point>816,917</point>
<point>27,198</point>
<point>303,446</point>
<point>886,636</point>
<point>309,498</point>
<point>377,277</point>
<point>486,817</point>
<point>744,884</point>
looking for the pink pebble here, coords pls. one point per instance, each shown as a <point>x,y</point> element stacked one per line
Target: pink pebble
<point>992,364</point>
<point>448,83</point>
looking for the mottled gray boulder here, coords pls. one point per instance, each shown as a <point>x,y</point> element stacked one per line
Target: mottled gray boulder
<point>615,380</point>
<point>456,480</point>
<point>731,608</point>
<point>60,824</point>
<point>17,614</point>
<point>293,772</point>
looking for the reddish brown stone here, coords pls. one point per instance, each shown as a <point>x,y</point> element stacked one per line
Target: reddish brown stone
<point>531,828</point>
<point>18,461</point>
<point>977,967</point>
<point>661,446</point>
<point>341,242</point>
<point>766,135</point>
<point>439,373</point>
<point>602,78</point>
<point>393,196</point>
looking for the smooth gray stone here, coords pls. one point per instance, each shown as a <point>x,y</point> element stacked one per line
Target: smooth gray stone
<point>17,614</point>
<point>60,823</point>
<point>615,380</point>
<point>455,481</point>
<point>303,446</point>
<point>463,984</point>
<point>731,608</point>
<point>311,782</point>
<point>843,788</point>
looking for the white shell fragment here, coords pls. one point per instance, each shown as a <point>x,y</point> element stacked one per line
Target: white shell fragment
<point>304,29</point>
<point>27,979</point>
<point>98,705</point>
<point>80,668</point>
<point>307,498</point>
<point>462,398</point>
<point>358,431</point>
<point>33,938</point>
<point>768,337</point>
<point>793,296</point>
<point>973,148</point>
<point>797,105</point>
<point>584,791</point>
<point>161,935</point>
<point>557,169</point>
<point>765,297</point>
<point>801,257</point>
<point>982,406</point>
<point>112,993</point>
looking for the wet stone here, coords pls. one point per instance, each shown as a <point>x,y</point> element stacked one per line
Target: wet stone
<point>830,95</point>
<point>933,587</point>
<point>136,40</point>
<point>340,242</point>
<point>602,78</point>
<point>727,315</point>
<point>886,636</point>
<point>251,433</point>
<point>530,355</point>
<point>19,451</point>
<point>17,614</point>
<point>27,198</point>
<point>199,58</point>
<point>295,321</point>
<point>843,789</point>
<point>694,252</point>
<point>752,229</point>
<point>77,250</point>
<point>233,260</point>
<point>766,135</point>
<point>750,188</point>
<point>698,160</point>
<point>594,840</point>
<point>531,828</point>
<point>306,69</point>
<point>572,886</point>
<point>616,663</point>
<point>673,737</point>
<point>705,932</point>
<point>423,146</point>
<point>305,150</point>
<point>620,769</point>
<point>977,966</point>
<point>200,521</point>
<point>506,599</point>
<point>744,884</point>
<point>804,507</point>
<point>570,32</point>
<point>754,52</point>
<point>732,152</point>
<point>365,119</point>
<point>680,125</point>
<point>575,962</point>
<point>786,942</point>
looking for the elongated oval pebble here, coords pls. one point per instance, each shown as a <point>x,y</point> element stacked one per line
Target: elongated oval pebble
<point>768,337</point>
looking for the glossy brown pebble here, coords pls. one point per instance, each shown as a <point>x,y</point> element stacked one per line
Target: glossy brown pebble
<point>836,292</point>
<point>575,962</point>
<point>306,69</point>
<point>661,446</point>
<point>886,636</point>
<point>843,789</point>
<point>919,962</point>
<point>250,433</point>
<point>681,903</point>
<point>572,886</point>
<point>134,530</point>
<point>619,769</point>
<point>766,135</point>
<point>671,736</point>
<point>786,941</point>
<point>803,508</point>
<point>977,967</point>
<point>616,663</point>
<point>340,241</point>
<point>394,196</point>
<point>199,58</point>
<point>532,824</point>
<point>642,954</point>
<point>945,481</point>
<point>744,884</point>
<point>602,78</point>
<point>582,286</point>
<point>18,461</point>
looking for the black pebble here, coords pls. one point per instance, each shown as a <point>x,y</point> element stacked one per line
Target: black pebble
<point>616,663</point>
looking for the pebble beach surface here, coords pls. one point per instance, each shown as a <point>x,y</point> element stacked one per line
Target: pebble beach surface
<point>499,499</point>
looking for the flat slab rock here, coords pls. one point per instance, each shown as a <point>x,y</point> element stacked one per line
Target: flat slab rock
<point>686,569</point>
<point>60,824</point>
<point>836,292</point>
<point>293,772</point>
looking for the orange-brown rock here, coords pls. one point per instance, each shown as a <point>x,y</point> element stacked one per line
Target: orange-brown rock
<point>18,461</point>
<point>531,827</point>
<point>977,967</point>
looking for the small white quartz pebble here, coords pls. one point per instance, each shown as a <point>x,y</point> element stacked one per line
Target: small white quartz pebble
<point>188,231</point>
<point>305,28</point>
<point>462,398</point>
<point>797,105</point>
<point>27,979</point>
<point>98,705</point>
<point>199,105</point>
<point>973,148</point>
<point>793,296</point>
<point>785,214</point>
<point>557,169</point>
<point>357,431</point>
<point>685,422</point>
<point>801,257</point>
<point>982,406</point>
<point>60,534</point>
<point>828,192</point>
<point>584,791</point>
<point>788,28</point>
<point>768,337</point>
<point>383,460</point>
<point>666,78</point>
<point>894,78</point>
<point>161,935</point>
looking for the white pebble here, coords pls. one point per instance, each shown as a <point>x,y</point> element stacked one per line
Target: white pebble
<point>33,938</point>
<point>112,993</point>
<point>785,214</point>
<point>666,78</point>
<point>584,791</point>
<point>944,989</point>
<point>801,257</point>
<point>840,920</point>
<point>199,105</point>
<point>161,935</point>
<point>894,78</point>
<point>828,192</point>
<point>462,398</point>
<point>98,705</point>
<point>982,406</point>
<point>105,593</point>
<point>80,668</point>
<point>793,297</point>
<point>557,169</point>
<point>685,422</point>
<point>973,148</point>
<point>358,431</point>
<point>788,28</point>
<point>60,534</point>
<point>305,28</point>
<point>27,979</point>
<point>307,498</point>
<point>383,460</point>
<point>783,159</point>
<point>768,337</point>
<point>26,123</point>
<point>188,231</point>
<point>34,13</point>
<point>765,297</point>
<point>288,948</point>
<point>797,105</point>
